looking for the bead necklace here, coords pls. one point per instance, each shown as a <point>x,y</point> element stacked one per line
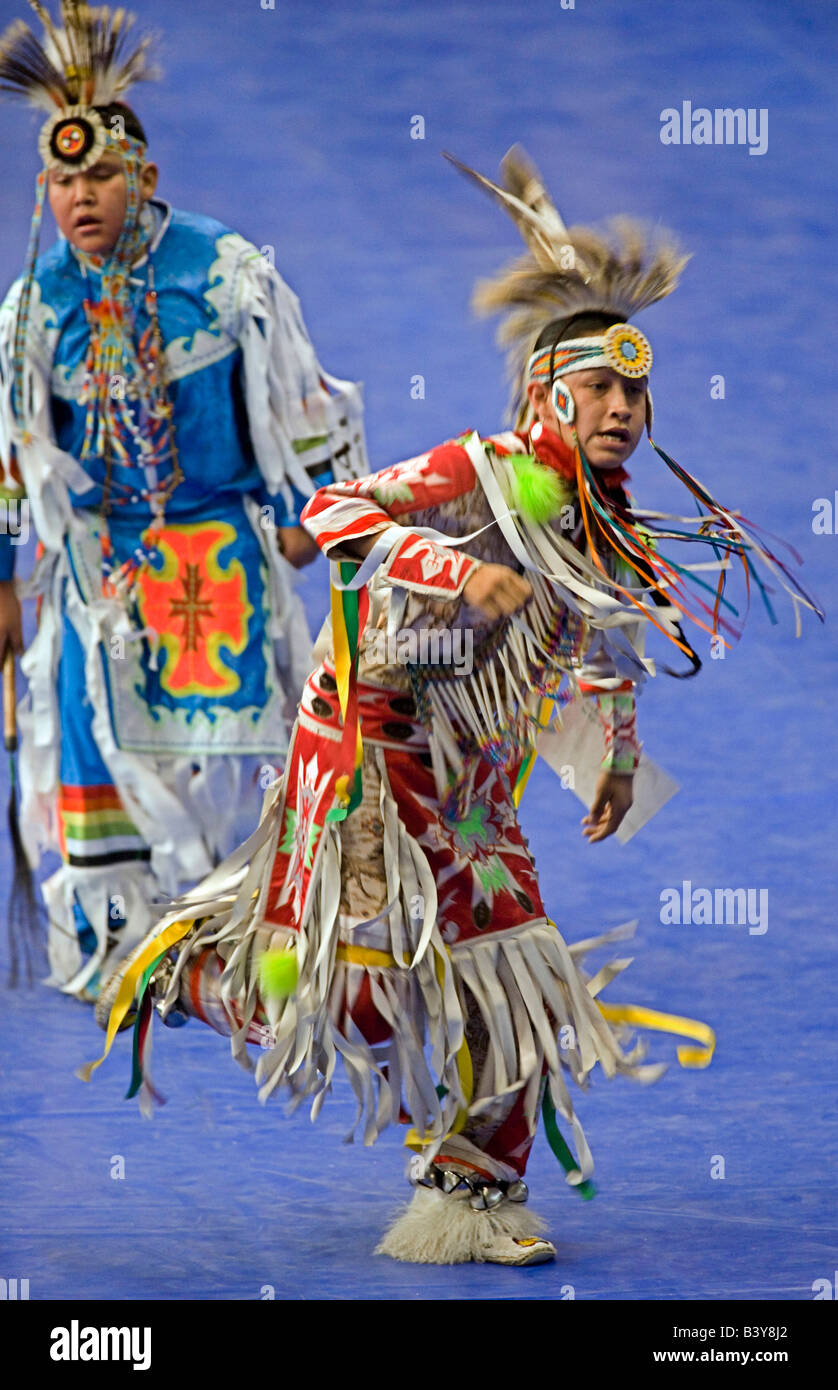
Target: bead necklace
<point>112,425</point>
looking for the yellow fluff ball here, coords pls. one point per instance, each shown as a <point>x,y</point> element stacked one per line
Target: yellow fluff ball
<point>278,974</point>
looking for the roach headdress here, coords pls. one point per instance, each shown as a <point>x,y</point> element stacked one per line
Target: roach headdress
<point>76,73</point>
<point>569,274</point>
<point>79,72</point>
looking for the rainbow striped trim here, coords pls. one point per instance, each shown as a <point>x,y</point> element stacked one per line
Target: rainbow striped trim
<point>623,348</point>
<point>94,828</point>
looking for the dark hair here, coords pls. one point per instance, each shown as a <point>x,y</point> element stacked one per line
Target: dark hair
<point>576,326</point>
<point>130,120</point>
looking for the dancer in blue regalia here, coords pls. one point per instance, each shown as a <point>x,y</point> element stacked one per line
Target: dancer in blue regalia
<point>163,420</point>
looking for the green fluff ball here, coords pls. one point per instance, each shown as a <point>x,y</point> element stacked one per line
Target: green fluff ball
<point>278,974</point>
<point>537,492</point>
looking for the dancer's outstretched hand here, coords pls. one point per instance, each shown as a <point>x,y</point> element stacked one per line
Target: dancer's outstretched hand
<point>612,800</point>
<point>496,591</point>
<point>297,546</point>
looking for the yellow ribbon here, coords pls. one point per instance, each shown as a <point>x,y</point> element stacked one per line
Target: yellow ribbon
<point>366,955</point>
<point>341,648</point>
<point>343,672</point>
<point>466,1073</point>
<point>125,996</point>
<point>641,1017</point>
<point>545,713</point>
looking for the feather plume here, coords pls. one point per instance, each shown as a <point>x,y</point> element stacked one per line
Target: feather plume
<point>89,61</point>
<point>26,71</point>
<point>565,271</point>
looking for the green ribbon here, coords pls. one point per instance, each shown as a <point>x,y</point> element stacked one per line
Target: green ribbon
<point>585,1188</point>
<point>136,1069</point>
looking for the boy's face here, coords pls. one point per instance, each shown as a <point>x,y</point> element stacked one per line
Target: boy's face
<point>89,207</point>
<point>610,414</point>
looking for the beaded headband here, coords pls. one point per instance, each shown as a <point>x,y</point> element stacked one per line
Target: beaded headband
<point>622,347</point>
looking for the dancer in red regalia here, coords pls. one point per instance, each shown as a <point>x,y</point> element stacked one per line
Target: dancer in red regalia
<point>388,911</point>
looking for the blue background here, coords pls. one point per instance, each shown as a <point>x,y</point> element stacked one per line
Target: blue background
<point>294,126</point>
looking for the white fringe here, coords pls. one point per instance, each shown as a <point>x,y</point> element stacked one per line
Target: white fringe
<point>538,1006</point>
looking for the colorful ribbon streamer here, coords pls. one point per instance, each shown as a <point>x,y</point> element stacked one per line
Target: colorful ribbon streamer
<point>585,1188</point>
<point>349,614</point>
<point>148,956</point>
<point>640,1017</point>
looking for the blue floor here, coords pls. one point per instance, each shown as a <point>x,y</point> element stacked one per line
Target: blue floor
<point>294,125</point>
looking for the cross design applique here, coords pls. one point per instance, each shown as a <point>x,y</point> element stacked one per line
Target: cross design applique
<point>198,608</point>
<point>191,608</point>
